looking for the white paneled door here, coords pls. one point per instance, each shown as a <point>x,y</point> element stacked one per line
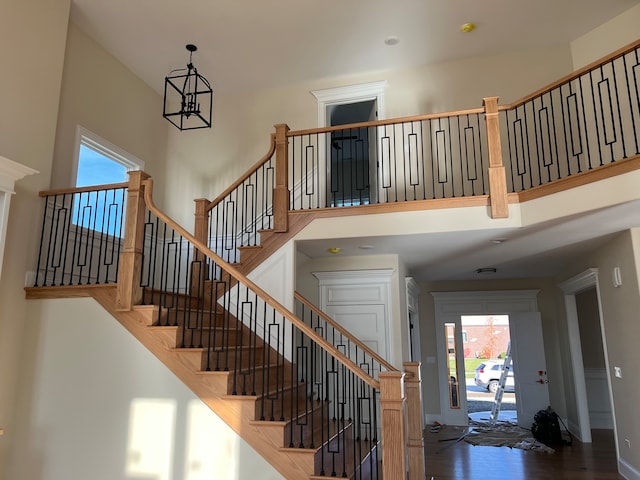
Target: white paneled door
<point>529,366</point>
<point>365,322</point>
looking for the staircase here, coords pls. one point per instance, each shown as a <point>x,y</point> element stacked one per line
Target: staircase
<point>299,389</point>
<point>280,420</point>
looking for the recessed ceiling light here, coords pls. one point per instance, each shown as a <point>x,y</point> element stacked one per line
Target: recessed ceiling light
<point>498,240</point>
<point>365,247</point>
<point>391,41</point>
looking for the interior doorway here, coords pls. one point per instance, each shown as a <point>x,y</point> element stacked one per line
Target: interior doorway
<point>352,153</point>
<point>593,360</point>
<point>584,283</point>
<point>350,156</point>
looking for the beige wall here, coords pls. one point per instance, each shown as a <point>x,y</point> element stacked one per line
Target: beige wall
<point>605,39</point>
<point>620,308</point>
<point>32,42</point>
<point>90,373</point>
<point>94,91</point>
<point>205,162</point>
<point>101,95</point>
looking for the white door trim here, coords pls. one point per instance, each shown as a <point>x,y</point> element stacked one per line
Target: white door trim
<point>349,94</point>
<point>413,292</point>
<point>571,287</point>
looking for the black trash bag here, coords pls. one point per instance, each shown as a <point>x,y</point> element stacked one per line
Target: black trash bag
<point>546,427</point>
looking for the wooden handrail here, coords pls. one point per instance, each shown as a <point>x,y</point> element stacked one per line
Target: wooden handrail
<point>379,123</point>
<point>148,190</point>
<point>345,332</point>
<point>572,76</point>
<point>242,178</point>
<point>91,188</point>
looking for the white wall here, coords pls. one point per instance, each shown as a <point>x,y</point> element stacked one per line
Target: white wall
<point>103,408</point>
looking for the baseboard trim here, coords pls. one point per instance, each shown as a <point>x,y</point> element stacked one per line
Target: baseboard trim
<point>574,429</point>
<point>627,471</point>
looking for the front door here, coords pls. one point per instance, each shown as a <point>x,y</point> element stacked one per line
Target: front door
<point>529,366</point>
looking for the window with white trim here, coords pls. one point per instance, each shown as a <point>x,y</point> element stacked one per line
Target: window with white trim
<point>98,162</point>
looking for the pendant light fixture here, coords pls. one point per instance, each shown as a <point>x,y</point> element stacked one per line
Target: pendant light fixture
<point>188,97</point>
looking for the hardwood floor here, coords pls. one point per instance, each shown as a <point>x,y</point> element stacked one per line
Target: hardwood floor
<point>459,460</point>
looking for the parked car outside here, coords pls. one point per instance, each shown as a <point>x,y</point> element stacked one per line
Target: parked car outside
<point>488,376</point>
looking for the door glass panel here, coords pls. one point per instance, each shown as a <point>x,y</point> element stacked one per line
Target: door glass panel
<point>452,366</point>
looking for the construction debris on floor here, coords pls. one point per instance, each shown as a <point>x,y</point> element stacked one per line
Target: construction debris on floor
<point>504,434</point>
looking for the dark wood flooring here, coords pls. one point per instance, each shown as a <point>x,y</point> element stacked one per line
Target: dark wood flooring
<point>459,460</point>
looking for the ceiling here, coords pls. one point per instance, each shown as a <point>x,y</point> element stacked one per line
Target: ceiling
<point>541,250</point>
<point>263,43</point>
<point>260,44</point>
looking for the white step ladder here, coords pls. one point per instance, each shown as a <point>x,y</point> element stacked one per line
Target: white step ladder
<point>497,402</point>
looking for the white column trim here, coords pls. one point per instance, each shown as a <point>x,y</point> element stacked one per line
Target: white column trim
<point>10,173</point>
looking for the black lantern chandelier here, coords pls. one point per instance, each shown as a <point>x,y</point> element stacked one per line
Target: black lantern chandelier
<point>188,97</point>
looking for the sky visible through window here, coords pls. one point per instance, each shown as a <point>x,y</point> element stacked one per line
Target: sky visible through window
<point>102,210</point>
<point>96,169</point>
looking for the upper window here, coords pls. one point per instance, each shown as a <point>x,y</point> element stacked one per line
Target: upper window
<point>100,163</point>
<point>94,168</point>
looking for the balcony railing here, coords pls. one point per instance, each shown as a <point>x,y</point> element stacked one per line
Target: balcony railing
<point>583,122</point>
<point>81,236</point>
<point>420,158</point>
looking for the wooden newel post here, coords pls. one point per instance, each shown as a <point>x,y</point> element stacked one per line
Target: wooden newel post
<point>394,428</point>
<point>497,175</point>
<point>129,292</point>
<point>281,190</point>
<point>200,231</point>
<point>415,442</point>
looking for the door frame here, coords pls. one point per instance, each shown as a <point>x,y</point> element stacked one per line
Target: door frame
<point>451,306</point>
<point>349,94</point>
<point>345,95</point>
<point>413,292</point>
<point>571,287</point>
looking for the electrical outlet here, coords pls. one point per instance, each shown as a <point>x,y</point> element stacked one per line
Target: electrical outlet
<point>627,442</point>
